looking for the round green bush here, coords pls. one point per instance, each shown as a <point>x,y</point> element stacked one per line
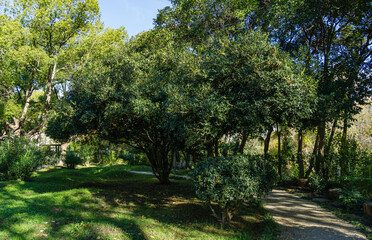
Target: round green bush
<point>19,157</point>
<point>229,181</point>
<point>71,159</point>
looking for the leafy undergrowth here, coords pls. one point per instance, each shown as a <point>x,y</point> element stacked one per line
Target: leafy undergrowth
<point>355,217</point>
<point>182,172</point>
<point>112,203</point>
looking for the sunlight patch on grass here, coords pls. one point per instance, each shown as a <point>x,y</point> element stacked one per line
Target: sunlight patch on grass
<point>110,203</point>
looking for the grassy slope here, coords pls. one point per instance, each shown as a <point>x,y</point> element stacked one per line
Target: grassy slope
<point>111,203</point>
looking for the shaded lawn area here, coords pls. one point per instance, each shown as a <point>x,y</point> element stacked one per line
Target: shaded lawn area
<point>112,203</point>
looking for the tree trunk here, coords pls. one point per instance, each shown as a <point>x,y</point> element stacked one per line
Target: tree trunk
<point>51,75</point>
<point>226,217</point>
<point>209,148</point>
<point>299,155</point>
<point>64,147</point>
<point>174,160</point>
<point>326,151</point>
<point>279,154</point>
<point>242,144</point>
<point>329,144</point>
<point>343,161</point>
<point>160,164</point>
<point>194,156</point>
<point>267,142</point>
<point>216,152</point>
<point>13,127</point>
<point>315,150</point>
<point>188,158</point>
<point>320,154</point>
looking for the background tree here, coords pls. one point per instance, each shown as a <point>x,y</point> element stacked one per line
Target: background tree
<point>195,21</point>
<point>333,40</point>
<point>261,83</point>
<point>45,37</point>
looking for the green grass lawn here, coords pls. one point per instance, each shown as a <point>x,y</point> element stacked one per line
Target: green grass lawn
<point>112,203</point>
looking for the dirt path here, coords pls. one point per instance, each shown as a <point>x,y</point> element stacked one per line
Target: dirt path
<point>301,219</point>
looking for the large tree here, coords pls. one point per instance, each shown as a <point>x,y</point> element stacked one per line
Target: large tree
<point>138,95</point>
<point>40,43</point>
<point>262,84</point>
<point>241,64</point>
<point>332,39</point>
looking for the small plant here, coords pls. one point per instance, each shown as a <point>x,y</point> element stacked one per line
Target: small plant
<point>317,183</point>
<point>71,159</point>
<point>352,200</point>
<point>19,157</point>
<point>135,159</point>
<point>229,181</point>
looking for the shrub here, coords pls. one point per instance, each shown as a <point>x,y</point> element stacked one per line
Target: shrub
<point>362,185</point>
<point>86,153</point>
<point>229,181</point>
<point>352,200</point>
<point>135,159</point>
<point>71,159</point>
<point>317,183</point>
<point>19,157</point>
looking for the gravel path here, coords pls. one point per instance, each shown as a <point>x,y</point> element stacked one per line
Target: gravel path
<point>302,219</point>
<point>151,173</point>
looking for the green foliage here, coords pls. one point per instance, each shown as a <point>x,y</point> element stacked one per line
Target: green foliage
<point>262,83</point>
<point>72,159</point>
<point>135,159</point>
<point>43,43</point>
<point>19,157</point>
<point>352,200</point>
<point>271,228</point>
<point>231,180</point>
<point>317,183</point>
<point>360,184</point>
<point>335,51</point>
<point>348,158</point>
<point>138,95</point>
<point>197,21</point>
<point>87,154</point>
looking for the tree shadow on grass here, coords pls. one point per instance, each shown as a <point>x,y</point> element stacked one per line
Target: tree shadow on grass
<point>177,205</point>
<point>105,202</point>
<point>44,217</point>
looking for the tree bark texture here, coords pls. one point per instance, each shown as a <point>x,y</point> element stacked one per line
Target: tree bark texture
<point>319,164</point>
<point>160,163</point>
<point>267,142</point>
<point>279,154</point>
<point>313,156</point>
<point>299,154</point>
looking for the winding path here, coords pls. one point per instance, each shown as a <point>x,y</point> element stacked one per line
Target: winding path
<point>302,220</point>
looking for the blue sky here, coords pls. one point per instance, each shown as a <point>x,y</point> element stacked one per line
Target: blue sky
<point>135,15</point>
